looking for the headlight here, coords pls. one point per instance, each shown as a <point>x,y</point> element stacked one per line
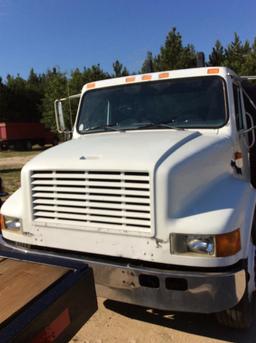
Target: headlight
<point>10,223</point>
<point>195,244</point>
<point>209,245</point>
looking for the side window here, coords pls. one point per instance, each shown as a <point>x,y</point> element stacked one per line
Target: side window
<point>238,107</point>
<point>249,106</point>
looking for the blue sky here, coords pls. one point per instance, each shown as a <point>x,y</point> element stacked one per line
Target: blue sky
<point>78,33</point>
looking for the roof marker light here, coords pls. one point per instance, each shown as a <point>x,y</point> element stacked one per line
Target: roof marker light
<point>130,79</point>
<point>146,77</point>
<point>163,75</point>
<point>90,85</point>
<point>213,71</point>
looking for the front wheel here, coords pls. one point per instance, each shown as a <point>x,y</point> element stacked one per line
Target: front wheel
<point>241,315</point>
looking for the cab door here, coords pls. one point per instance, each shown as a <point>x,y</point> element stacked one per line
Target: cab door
<point>249,113</point>
<point>240,162</point>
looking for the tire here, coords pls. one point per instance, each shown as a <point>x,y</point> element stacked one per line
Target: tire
<point>28,145</point>
<point>55,141</point>
<point>240,316</point>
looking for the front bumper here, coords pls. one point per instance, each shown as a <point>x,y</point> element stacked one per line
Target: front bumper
<point>172,290</point>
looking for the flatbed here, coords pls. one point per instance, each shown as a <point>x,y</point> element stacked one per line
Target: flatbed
<point>43,299</point>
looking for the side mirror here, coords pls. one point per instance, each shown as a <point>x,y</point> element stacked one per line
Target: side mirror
<point>60,116</point>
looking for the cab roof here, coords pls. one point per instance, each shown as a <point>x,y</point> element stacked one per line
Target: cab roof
<point>169,74</point>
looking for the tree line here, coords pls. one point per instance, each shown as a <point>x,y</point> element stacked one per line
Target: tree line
<point>31,99</point>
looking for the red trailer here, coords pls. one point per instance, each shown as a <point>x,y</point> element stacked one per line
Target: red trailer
<point>23,135</point>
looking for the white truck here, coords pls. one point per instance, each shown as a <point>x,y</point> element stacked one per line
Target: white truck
<point>156,191</point>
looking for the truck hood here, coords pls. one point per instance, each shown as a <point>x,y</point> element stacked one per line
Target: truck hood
<point>130,150</point>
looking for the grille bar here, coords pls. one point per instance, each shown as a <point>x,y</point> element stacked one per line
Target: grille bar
<point>91,190</point>
<point>96,197</point>
<point>100,199</point>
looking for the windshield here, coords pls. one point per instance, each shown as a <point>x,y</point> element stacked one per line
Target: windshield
<point>181,103</point>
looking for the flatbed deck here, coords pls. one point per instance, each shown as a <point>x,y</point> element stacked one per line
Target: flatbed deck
<point>43,298</point>
<point>21,282</point>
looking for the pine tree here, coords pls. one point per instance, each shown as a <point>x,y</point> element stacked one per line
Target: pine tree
<point>94,73</point>
<point>249,65</point>
<point>217,56</point>
<point>55,88</point>
<point>236,54</point>
<point>148,64</point>
<point>119,69</point>
<point>173,55</point>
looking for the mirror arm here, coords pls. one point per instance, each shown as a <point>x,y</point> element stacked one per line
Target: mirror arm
<point>251,129</point>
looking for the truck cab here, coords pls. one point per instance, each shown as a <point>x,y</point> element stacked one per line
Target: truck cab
<point>156,191</point>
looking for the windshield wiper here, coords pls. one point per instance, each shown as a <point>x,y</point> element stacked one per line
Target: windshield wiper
<point>158,126</point>
<point>102,128</point>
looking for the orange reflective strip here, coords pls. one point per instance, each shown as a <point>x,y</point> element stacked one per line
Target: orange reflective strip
<point>163,75</point>
<point>213,71</point>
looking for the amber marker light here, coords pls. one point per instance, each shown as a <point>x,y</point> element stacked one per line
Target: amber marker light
<point>2,226</point>
<point>146,77</point>
<point>163,75</point>
<point>130,79</point>
<point>213,71</point>
<point>238,155</point>
<point>228,244</point>
<point>90,85</point>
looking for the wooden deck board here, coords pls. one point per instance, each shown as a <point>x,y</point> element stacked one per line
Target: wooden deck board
<point>20,282</point>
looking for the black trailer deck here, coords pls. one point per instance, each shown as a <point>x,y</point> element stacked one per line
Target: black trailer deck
<point>43,299</point>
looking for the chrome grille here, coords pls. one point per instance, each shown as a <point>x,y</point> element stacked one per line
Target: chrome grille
<point>97,199</point>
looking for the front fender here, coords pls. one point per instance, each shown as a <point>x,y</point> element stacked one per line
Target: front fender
<point>13,206</point>
<point>223,206</point>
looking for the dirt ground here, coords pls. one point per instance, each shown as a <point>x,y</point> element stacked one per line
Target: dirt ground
<point>122,323</point>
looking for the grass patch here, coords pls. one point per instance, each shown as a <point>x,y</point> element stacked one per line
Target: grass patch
<point>6,154</point>
<point>15,153</point>
<point>11,180</point>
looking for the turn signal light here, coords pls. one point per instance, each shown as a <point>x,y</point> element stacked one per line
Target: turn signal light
<point>228,244</point>
<point>2,226</point>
